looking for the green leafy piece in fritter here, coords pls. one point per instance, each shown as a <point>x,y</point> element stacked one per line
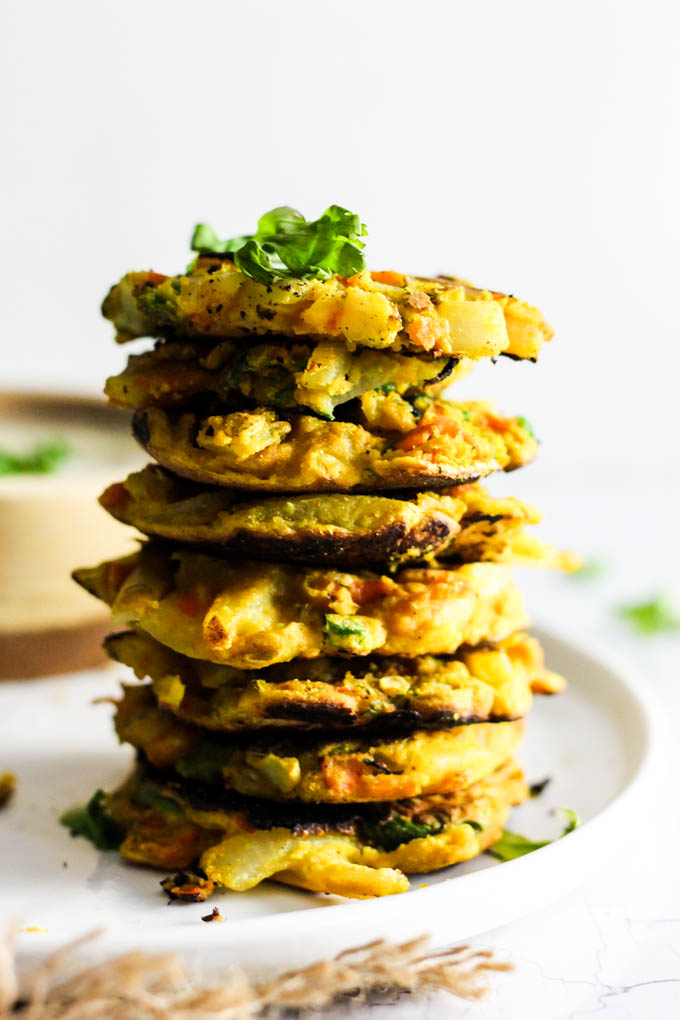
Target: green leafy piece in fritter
<point>526,425</point>
<point>388,834</point>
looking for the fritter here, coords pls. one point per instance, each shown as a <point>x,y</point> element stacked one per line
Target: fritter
<point>486,684</point>
<point>462,524</point>
<point>443,316</point>
<point>293,376</point>
<point>345,768</point>
<point>394,444</point>
<point>358,851</point>
<point>250,615</point>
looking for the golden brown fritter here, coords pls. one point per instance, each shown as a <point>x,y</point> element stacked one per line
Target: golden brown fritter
<point>346,768</point>
<point>357,851</point>
<point>394,444</point>
<point>250,615</point>
<point>462,524</point>
<point>294,376</point>
<point>490,683</point>
<point>443,316</point>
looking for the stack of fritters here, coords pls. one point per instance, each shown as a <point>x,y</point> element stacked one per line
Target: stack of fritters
<point>335,663</point>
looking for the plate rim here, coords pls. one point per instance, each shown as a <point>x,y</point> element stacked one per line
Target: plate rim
<point>377,913</point>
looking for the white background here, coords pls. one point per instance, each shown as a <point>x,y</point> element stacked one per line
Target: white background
<point>528,146</point>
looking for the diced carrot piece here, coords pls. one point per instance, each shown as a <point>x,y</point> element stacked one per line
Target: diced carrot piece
<point>424,433</point>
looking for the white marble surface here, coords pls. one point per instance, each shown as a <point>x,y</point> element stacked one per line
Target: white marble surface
<point>612,947</point>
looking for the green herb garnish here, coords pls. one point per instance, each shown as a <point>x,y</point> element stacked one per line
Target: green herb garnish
<point>525,424</point>
<point>512,845</point>
<point>653,617</point>
<point>590,570</point>
<point>286,244</point>
<point>94,823</point>
<point>41,460</point>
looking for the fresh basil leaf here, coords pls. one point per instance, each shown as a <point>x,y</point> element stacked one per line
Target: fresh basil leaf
<point>41,460</point>
<point>286,244</point>
<point>204,239</point>
<point>512,844</point>
<point>94,823</point>
<point>282,220</point>
<point>654,617</point>
<point>254,261</point>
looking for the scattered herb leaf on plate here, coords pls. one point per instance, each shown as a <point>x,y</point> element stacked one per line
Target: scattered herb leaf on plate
<point>41,460</point>
<point>94,823</point>
<point>512,844</point>
<point>590,570</point>
<point>658,615</point>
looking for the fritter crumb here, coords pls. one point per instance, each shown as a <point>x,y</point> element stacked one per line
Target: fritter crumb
<point>8,785</point>
<point>213,916</point>
<point>188,887</point>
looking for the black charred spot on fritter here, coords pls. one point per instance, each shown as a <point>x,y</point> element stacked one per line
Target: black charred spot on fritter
<point>140,428</point>
<point>265,313</point>
<point>312,714</point>
<point>381,767</point>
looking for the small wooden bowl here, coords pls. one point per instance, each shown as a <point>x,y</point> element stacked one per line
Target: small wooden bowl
<point>50,524</point>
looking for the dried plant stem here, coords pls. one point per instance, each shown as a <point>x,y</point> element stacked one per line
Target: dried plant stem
<point>138,986</point>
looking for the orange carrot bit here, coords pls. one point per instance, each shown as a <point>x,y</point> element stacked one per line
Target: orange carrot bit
<point>497,424</point>
<point>116,497</point>
<point>424,433</point>
<point>424,332</point>
<point>370,588</point>
<point>190,604</point>
<point>388,277</point>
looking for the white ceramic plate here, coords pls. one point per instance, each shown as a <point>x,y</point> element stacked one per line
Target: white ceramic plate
<point>594,741</point>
